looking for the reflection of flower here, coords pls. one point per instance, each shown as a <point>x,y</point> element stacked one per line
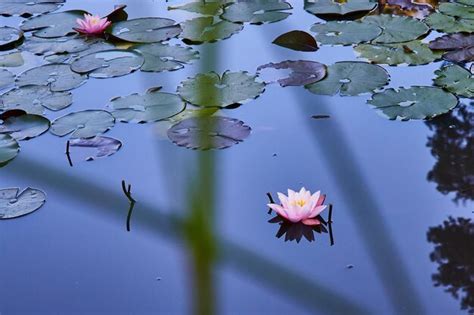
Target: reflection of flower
<point>300,206</point>
<point>92,25</point>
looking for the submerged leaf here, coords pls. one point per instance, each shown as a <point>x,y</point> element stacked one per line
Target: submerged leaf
<point>456,79</point>
<point>14,204</point>
<point>459,46</point>
<point>83,124</point>
<point>257,12</point>
<point>10,37</point>
<point>54,24</point>
<point>302,72</point>
<point>23,126</point>
<point>161,57</point>
<point>103,146</point>
<point>206,29</point>
<point>28,7</point>
<point>345,32</point>
<point>297,40</point>
<point>9,149</point>
<point>58,77</point>
<point>146,30</point>
<point>6,78</point>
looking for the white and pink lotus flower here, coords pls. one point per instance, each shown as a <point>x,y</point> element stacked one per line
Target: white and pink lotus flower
<point>92,25</point>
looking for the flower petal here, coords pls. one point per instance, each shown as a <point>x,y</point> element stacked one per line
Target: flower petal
<point>311,222</point>
<point>283,200</point>
<point>278,209</point>
<point>316,211</point>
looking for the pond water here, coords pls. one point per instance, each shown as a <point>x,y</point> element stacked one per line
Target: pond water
<point>200,242</point>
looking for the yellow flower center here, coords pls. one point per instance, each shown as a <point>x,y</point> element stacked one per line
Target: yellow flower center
<point>300,202</point>
<point>94,21</point>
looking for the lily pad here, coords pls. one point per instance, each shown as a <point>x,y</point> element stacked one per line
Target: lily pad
<point>9,149</point>
<point>34,98</point>
<point>160,57</point>
<point>457,80</point>
<point>410,53</point>
<point>208,29</point>
<point>297,40</point>
<point>102,146</point>
<point>10,37</point>
<point>23,126</point>
<point>449,24</point>
<point>152,106</point>
<point>13,59</point>
<point>93,45</point>
<point>6,78</point>
<point>58,77</point>
<point>211,90</point>
<point>108,64</point>
<point>351,78</point>
<point>418,102</point>
<point>396,29</point>
<point>302,72</point>
<point>146,30</point>
<point>54,24</point>
<point>28,8</point>
<point>14,204</point>
<point>212,132</point>
<point>205,8</point>
<point>458,10</point>
<point>257,12</point>
<point>51,46</point>
<point>459,47</point>
<point>83,124</point>
<point>332,9</point>
<point>345,32</point>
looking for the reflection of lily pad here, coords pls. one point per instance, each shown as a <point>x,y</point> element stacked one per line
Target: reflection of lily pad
<point>328,9</point>
<point>13,59</point>
<point>102,146</point>
<point>257,12</point>
<point>152,106</point>
<point>32,99</point>
<point>9,149</point>
<point>345,32</point>
<point>205,29</point>
<point>6,78</point>
<point>449,24</point>
<point>84,124</point>
<point>459,47</point>
<point>411,53</point>
<point>396,29</point>
<point>58,77</point>
<point>418,102</point>
<point>457,80</point>
<point>212,132</point>
<point>14,204</point>
<point>211,90</point>
<point>53,24</point>
<point>146,30</point>
<point>297,40</point>
<point>108,64</point>
<point>28,7</point>
<point>161,57</point>
<point>23,126</point>
<point>302,72</point>
<point>350,78</point>
<point>10,37</point>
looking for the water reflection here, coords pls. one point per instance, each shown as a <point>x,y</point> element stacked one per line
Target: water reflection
<point>454,245</point>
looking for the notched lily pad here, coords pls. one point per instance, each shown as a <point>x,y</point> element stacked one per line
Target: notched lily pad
<point>208,29</point>
<point>51,46</point>
<point>206,8</point>
<point>302,72</point>
<point>160,57</point>
<point>58,77</point>
<point>456,79</point>
<point>13,59</point>
<point>9,149</point>
<point>6,78</point>
<point>94,148</point>
<point>10,37</point>
<point>23,126</point>
<point>417,102</point>
<point>146,30</point>
<point>54,24</point>
<point>345,32</point>
<point>83,124</point>
<point>396,29</point>
<point>449,24</point>
<point>297,40</point>
<point>458,47</point>
<point>14,204</point>
<point>257,12</point>
<point>459,10</point>
<point>27,8</point>
<point>339,10</point>
<point>206,133</point>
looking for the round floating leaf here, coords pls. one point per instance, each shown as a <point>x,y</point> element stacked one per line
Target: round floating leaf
<point>332,9</point>
<point>54,24</point>
<point>411,53</point>
<point>152,106</point>
<point>48,46</point>
<point>459,47</point>
<point>93,45</point>
<point>23,126</point>
<point>206,133</point>
<point>205,29</point>
<point>418,102</point>
<point>146,30</point>
<point>33,99</point>
<point>205,8</point>
<point>449,24</point>
<point>83,124</point>
<point>350,78</point>
<point>9,149</point>
<point>28,7</point>
<point>457,80</point>
<point>457,10</point>
<point>345,32</point>
<point>102,146</point>
<point>108,64</point>
<point>14,204</point>
<point>211,90</point>
<point>257,12</point>
<point>297,40</point>
<point>160,57</point>
<point>302,72</point>
<point>13,59</point>
<point>396,29</point>
<point>6,78</point>
<point>58,77</point>
<point>10,37</point>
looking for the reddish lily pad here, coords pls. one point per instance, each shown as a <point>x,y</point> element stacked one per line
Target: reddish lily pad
<point>459,47</point>
<point>302,72</point>
<point>101,146</point>
<point>297,40</point>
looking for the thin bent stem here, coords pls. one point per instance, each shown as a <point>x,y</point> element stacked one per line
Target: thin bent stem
<point>128,194</point>
<point>68,153</point>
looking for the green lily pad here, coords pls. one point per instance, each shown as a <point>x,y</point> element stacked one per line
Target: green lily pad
<point>458,47</point>
<point>206,8</point>
<point>14,204</point>
<point>58,77</point>
<point>9,149</point>
<point>257,12</point>
<point>211,132</point>
<point>6,78</point>
<point>211,90</point>
<point>93,45</point>
<point>150,107</point>
<point>208,29</point>
<point>345,32</point>
<point>51,46</point>
<point>101,146</point>
<point>10,38</point>
<point>350,78</point>
<point>332,9</point>
<point>160,57</point>
<point>417,102</point>
<point>28,8</point>
<point>457,10</point>
<point>54,24</point>
<point>410,53</point>
<point>23,126</point>
<point>146,30</point>
<point>457,80</point>
<point>396,29</point>
<point>13,59</point>
<point>34,98</point>
<point>83,124</point>
<point>108,64</point>
<point>302,72</point>
<point>297,40</point>
<point>449,24</point>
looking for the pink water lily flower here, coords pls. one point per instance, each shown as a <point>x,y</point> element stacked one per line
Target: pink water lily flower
<point>92,25</point>
<point>300,206</point>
